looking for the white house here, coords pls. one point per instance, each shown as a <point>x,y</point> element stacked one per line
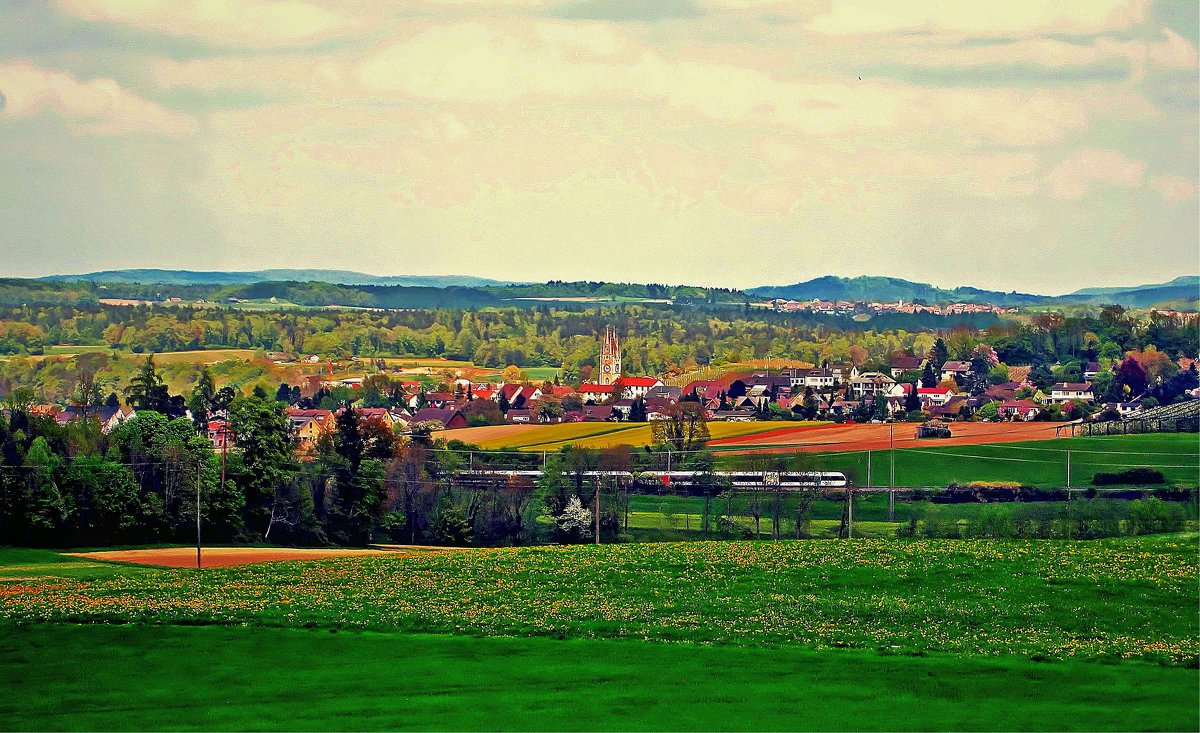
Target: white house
<point>635,387</point>
<point>871,383</point>
<point>593,392</point>
<point>1067,391</point>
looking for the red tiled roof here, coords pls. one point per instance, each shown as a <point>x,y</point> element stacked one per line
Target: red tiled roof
<point>597,388</point>
<point>639,381</point>
<point>934,390</point>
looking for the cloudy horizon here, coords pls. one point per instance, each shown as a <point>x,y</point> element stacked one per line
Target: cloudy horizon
<point>1033,147</point>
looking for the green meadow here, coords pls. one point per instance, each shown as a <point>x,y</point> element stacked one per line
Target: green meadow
<point>830,635</point>
<point>1040,463</point>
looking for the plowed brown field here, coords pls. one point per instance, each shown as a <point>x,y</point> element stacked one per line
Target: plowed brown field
<point>185,557</point>
<point>832,438</point>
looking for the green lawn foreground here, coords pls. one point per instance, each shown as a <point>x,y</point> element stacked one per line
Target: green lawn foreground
<point>825,635</point>
<point>67,677</point>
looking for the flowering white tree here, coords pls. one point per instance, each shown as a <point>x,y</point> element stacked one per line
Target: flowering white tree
<point>575,521</point>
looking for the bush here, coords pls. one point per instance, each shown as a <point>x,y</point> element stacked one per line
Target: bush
<point>1139,476</point>
<point>1153,516</point>
<point>935,524</point>
<point>993,522</point>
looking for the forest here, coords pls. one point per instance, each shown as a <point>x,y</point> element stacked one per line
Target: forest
<point>656,340</point>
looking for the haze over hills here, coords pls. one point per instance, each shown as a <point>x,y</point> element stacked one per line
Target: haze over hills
<point>1182,293</point>
<point>831,287</point>
<point>336,277</point>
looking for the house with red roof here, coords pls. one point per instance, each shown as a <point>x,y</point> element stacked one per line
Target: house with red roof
<point>705,389</point>
<point>934,396</point>
<point>520,395</point>
<point>593,392</point>
<point>1025,410</point>
<point>635,387</point>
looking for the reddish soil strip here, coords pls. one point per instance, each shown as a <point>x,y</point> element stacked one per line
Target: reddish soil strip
<point>185,557</point>
<point>834,438</point>
<point>767,436</point>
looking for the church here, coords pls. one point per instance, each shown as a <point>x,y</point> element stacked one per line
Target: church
<point>610,357</point>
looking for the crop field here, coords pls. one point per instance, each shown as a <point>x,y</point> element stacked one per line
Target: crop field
<point>584,435</point>
<point>938,634</point>
<point>1040,463</point>
<point>208,356</point>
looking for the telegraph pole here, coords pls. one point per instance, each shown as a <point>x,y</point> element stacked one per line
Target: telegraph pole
<point>1068,470</point>
<point>892,482</point>
<point>198,472</point>
<point>597,510</point>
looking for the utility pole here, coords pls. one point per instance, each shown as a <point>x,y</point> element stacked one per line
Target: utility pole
<point>198,473</point>
<point>892,452</point>
<point>892,481</point>
<point>868,469</point>
<point>597,510</point>
<point>1068,472</point>
<point>849,512</point>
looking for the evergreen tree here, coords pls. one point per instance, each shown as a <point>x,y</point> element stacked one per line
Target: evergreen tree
<point>929,377</point>
<point>939,353</point>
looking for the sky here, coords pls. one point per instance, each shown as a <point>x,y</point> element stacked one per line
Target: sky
<point>1023,145</point>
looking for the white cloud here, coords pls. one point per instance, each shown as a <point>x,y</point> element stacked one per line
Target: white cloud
<point>250,22</point>
<point>846,17</point>
<point>98,106</point>
<point>1086,168</point>
<point>1171,52</point>
<point>472,62</point>
<point>1173,188</point>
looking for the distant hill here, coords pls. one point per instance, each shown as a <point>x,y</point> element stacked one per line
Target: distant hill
<point>869,288</point>
<point>335,277</point>
<point>1182,293</point>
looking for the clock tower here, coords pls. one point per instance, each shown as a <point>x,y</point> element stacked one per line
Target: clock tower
<point>610,357</point>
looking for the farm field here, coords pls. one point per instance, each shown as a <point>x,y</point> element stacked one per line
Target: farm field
<point>185,557</point>
<point>584,435</point>
<point>1040,463</point>
<point>879,437</point>
<point>205,356</point>
<point>899,634</point>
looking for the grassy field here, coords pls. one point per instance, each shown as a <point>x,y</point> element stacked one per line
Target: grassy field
<point>1032,463</point>
<point>674,518</point>
<point>886,635</point>
<point>980,597</point>
<point>221,678</point>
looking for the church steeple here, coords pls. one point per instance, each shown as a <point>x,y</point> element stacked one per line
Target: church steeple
<point>610,357</point>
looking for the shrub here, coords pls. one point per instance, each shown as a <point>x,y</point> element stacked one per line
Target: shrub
<point>1152,516</point>
<point>1140,475</point>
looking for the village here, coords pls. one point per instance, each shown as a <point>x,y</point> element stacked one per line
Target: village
<point>908,388</point>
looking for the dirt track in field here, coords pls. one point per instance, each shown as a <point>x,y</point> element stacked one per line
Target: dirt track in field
<point>220,557</point>
<point>833,438</point>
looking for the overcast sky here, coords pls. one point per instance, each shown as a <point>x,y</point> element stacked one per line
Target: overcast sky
<point>1037,146</point>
